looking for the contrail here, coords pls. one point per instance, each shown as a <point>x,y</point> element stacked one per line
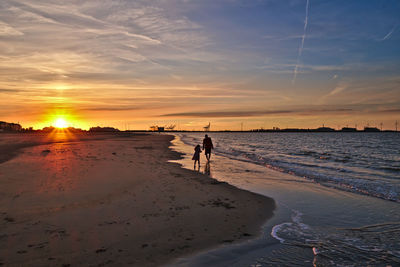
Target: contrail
<point>390,33</point>
<point>302,44</point>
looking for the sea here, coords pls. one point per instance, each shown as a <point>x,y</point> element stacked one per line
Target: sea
<point>337,196</point>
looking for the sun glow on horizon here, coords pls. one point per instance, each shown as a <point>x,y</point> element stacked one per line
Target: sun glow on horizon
<point>61,123</point>
<point>61,118</point>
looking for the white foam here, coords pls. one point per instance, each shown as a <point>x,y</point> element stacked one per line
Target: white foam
<point>295,226</point>
<point>275,230</point>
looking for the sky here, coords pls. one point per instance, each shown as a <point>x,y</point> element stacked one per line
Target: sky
<point>263,63</point>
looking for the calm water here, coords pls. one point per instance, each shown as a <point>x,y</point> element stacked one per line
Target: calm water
<point>366,163</point>
<point>337,196</point>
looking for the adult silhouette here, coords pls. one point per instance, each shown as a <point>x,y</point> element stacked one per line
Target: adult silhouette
<point>207,146</point>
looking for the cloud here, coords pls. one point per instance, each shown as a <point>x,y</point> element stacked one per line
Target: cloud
<point>180,56</point>
<point>249,113</point>
<point>5,90</point>
<point>282,38</point>
<point>7,30</point>
<point>114,108</point>
<point>395,110</point>
<point>338,89</point>
<point>257,113</point>
<point>102,42</point>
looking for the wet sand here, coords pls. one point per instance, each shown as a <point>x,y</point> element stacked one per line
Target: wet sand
<point>113,200</point>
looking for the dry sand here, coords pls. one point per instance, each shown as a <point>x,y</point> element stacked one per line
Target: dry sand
<point>113,200</point>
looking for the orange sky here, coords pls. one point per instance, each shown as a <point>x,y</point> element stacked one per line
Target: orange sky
<point>132,64</point>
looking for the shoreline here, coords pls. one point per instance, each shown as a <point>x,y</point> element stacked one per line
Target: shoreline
<point>129,205</point>
<point>311,224</point>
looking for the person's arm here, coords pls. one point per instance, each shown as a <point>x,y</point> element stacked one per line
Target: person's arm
<point>204,140</point>
<point>212,146</point>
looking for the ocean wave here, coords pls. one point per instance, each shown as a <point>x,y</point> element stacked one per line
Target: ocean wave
<point>329,166</point>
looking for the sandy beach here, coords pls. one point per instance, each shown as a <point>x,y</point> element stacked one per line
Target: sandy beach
<point>113,200</point>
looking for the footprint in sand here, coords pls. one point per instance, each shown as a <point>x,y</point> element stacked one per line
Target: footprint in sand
<point>101,250</point>
<point>9,219</point>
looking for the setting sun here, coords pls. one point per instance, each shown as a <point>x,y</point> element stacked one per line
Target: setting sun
<point>60,123</point>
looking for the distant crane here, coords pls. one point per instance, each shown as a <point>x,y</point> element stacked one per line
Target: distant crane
<point>154,128</point>
<point>170,127</point>
<point>207,128</point>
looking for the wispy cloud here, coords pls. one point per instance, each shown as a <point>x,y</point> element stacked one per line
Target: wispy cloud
<point>395,111</point>
<point>93,42</point>
<point>338,89</point>
<point>2,90</point>
<point>7,30</point>
<point>301,45</point>
<point>224,114</point>
<point>259,113</point>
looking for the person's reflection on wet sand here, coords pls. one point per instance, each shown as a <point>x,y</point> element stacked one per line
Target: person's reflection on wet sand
<point>207,169</point>
<point>196,169</point>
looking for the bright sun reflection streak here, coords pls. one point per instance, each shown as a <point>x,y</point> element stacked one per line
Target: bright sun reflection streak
<point>61,135</point>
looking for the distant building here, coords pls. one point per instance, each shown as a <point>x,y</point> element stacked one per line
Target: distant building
<point>103,129</point>
<point>371,129</point>
<point>324,129</point>
<point>348,129</point>
<point>75,130</point>
<point>48,129</point>
<point>9,127</point>
<point>292,130</point>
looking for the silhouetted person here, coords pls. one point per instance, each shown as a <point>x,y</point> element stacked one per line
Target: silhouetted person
<point>207,146</point>
<point>196,155</point>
